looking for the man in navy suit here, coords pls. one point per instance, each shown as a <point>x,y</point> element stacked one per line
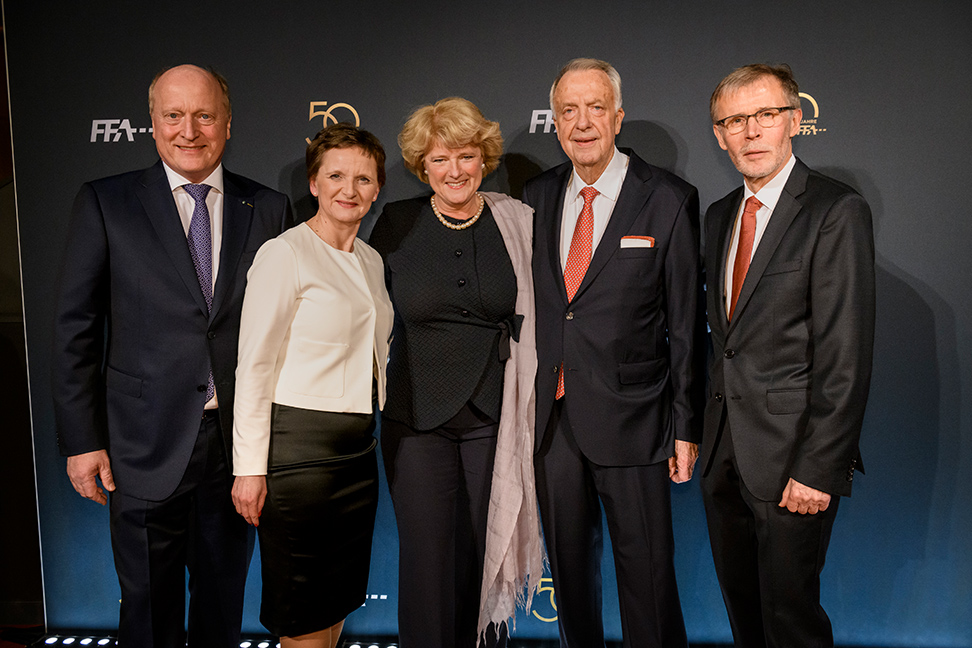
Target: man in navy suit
<point>620,348</point>
<point>790,272</point>
<point>145,342</point>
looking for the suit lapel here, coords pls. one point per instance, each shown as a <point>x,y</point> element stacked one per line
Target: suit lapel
<point>555,194</point>
<point>726,221</point>
<point>786,210</point>
<point>156,197</point>
<point>634,194</point>
<point>237,216</point>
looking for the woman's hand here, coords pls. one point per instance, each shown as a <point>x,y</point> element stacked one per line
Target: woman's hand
<point>249,492</point>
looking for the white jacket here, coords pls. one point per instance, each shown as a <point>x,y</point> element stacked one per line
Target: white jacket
<point>314,333</point>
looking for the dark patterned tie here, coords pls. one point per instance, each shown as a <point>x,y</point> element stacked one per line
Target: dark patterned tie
<point>578,258</point>
<point>201,250</point>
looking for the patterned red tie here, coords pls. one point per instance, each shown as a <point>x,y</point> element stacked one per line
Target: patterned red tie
<point>578,258</point>
<point>744,250</point>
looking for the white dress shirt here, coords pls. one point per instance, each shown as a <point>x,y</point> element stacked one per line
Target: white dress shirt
<point>768,196</point>
<point>608,187</point>
<point>185,204</point>
<point>214,202</point>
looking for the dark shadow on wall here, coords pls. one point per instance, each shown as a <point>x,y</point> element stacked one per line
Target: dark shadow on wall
<point>21,592</point>
<point>293,182</point>
<point>654,144</point>
<point>911,426</point>
<point>527,155</point>
<point>20,571</point>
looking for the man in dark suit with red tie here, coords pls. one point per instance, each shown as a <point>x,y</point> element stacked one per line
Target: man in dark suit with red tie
<point>145,342</point>
<point>620,351</point>
<point>790,274</point>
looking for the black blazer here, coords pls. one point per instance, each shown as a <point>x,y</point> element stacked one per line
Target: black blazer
<point>133,340</point>
<point>792,370</point>
<point>631,341</point>
<point>426,388</point>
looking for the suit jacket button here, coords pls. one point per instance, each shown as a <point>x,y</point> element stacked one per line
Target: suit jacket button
<point>464,313</point>
<point>201,389</point>
<point>570,315</point>
<point>718,397</point>
<point>211,334</point>
<point>729,354</point>
<point>461,283</point>
<point>458,253</point>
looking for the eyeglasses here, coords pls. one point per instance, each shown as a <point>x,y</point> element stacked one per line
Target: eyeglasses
<point>767,118</point>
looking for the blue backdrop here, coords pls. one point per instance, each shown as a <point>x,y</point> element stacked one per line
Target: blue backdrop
<point>887,95</point>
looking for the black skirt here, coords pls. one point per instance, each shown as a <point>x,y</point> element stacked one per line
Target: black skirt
<point>318,519</point>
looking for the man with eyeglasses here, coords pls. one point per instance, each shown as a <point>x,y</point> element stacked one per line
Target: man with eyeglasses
<point>790,282</point>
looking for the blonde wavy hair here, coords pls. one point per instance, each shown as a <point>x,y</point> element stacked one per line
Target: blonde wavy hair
<point>454,122</point>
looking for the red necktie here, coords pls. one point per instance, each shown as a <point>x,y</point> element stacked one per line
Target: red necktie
<point>744,250</point>
<point>578,258</point>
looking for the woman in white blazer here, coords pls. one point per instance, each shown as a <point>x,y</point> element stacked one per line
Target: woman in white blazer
<point>313,344</point>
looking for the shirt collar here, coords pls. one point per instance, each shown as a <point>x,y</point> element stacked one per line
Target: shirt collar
<point>215,179</point>
<point>770,193</point>
<point>609,184</point>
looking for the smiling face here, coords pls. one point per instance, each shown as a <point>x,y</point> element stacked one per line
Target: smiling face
<point>587,121</point>
<point>455,175</point>
<point>757,152</point>
<point>345,186</point>
<point>190,121</point>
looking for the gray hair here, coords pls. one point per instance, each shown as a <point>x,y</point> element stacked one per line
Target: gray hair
<point>748,74</point>
<point>584,64</point>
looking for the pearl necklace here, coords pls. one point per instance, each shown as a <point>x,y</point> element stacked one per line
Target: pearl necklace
<point>468,223</point>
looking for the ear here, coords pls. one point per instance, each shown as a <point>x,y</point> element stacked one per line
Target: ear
<point>228,122</point>
<point>719,136</point>
<point>617,124</point>
<point>313,188</point>
<point>795,124</point>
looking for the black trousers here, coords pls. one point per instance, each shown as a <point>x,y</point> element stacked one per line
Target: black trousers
<point>768,560</point>
<point>196,528</point>
<point>637,505</point>
<point>440,483</point>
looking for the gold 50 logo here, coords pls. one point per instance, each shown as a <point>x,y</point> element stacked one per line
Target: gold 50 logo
<point>809,125</point>
<point>546,585</point>
<point>319,109</point>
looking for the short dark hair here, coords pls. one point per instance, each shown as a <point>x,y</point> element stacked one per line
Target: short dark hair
<point>747,74</point>
<point>219,78</point>
<point>340,136</point>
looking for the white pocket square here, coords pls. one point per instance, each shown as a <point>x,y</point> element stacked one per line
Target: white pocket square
<point>637,241</point>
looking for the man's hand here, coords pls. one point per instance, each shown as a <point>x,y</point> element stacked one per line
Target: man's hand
<point>82,470</point>
<point>680,466</point>
<point>798,498</point>
<point>249,493</point>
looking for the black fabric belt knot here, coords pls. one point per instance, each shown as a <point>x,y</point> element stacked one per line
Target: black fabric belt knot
<point>509,328</point>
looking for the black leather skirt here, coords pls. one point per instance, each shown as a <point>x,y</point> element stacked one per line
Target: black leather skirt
<point>318,519</point>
